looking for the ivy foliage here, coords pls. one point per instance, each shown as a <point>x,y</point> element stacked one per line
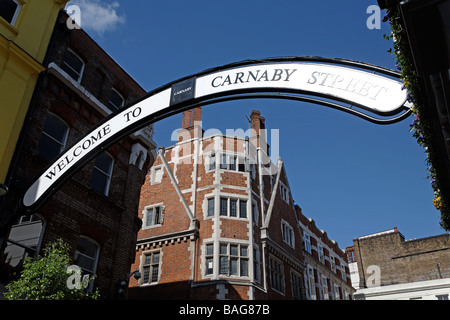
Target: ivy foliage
<point>46,278</point>
<point>420,127</point>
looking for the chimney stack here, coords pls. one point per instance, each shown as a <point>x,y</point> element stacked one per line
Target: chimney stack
<point>191,124</point>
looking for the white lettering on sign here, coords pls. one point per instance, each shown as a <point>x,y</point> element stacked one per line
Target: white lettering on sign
<point>95,139</point>
<point>376,93</point>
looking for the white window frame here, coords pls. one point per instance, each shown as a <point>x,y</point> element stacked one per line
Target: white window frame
<point>110,102</point>
<point>311,283</point>
<point>325,288</point>
<point>287,233</point>
<point>320,253</point>
<point>154,222</point>
<point>333,263</point>
<point>238,207</point>
<point>151,267</point>
<point>95,259</point>
<point>63,142</point>
<point>232,162</point>
<point>307,241</point>
<point>16,13</point>
<point>229,257</point>
<point>82,67</point>
<point>154,179</point>
<point>284,191</point>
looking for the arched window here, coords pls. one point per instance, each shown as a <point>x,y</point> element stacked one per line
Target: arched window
<point>54,137</point>
<point>73,65</point>
<point>116,101</point>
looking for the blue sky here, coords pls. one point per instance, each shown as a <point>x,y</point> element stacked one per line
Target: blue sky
<point>351,176</point>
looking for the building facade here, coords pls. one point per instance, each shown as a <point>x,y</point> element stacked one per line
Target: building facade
<point>327,273</point>
<point>25,30</point>
<point>94,211</point>
<point>219,221</point>
<point>390,267</point>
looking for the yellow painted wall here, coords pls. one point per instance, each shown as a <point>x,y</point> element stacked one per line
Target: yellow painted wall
<point>23,46</point>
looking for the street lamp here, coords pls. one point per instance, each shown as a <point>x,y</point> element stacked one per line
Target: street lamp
<point>124,283</point>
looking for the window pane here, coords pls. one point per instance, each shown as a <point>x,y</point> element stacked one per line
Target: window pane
<point>8,9</point>
<point>103,162</point>
<point>149,221</point>
<point>155,271</point>
<point>210,207</point>
<point>243,251</point>
<point>223,206</point>
<point>55,128</point>
<point>223,249</point>
<point>223,163</point>
<point>212,162</point>
<point>72,65</point>
<point>234,267</point>
<point>115,101</point>
<point>99,181</point>
<point>148,259</point>
<point>223,265</point>
<point>244,267</point>
<point>146,272</point>
<point>233,250</point>
<point>209,265</point>
<point>48,148</point>
<point>53,138</point>
<point>242,208</point>
<point>233,208</point>
<point>155,258</point>
<point>232,163</point>
<point>209,249</point>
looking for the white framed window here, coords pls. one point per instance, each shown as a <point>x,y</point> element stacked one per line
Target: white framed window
<point>320,253</point>
<point>287,233</point>
<point>54,137</point>
<point>209,259</point>
<point>115,101</point>
<point>102,173</point>
<point>325,288</point>
<point>277,275</point>
<point>153,216</point>
<point>233,259</point>
<point>333,263</point>
<point>233,208</point>
<point>86,257</point>
<point>337,296</point>
<point>284,192</point>
<point>150,267</point>
<point>311,284</point>
<point>156,174</point>
<point>307,242</point>
<point>9,10</point>
<point>73,65</point>
<point>229,162</point>
<point>210,207</point>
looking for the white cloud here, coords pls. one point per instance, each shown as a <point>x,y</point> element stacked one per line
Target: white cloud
<point>97,15</point>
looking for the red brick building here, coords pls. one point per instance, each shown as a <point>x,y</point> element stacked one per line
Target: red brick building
<point>95,210</point>
<point>219,221</point>
<point>327,272</point>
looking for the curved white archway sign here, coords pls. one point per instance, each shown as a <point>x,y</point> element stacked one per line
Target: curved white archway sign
<point>350,86</point>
